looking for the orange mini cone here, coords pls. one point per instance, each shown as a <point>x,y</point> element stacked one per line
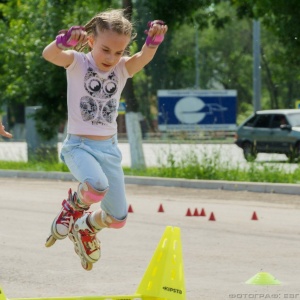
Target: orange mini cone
<point>188,213</point>
<point>161,209</point>
<point>196,213</point>
<point>212,217</point>
<point>254,217</point>
<point>202,213</point>
<point>130,210</point>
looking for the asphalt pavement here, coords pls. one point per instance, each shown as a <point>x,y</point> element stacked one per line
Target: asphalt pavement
<point>219,256</point>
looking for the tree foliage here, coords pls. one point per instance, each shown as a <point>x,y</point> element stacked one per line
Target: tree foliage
<point>26,78</point>
<point>280,16</point>
<point>225,51</point>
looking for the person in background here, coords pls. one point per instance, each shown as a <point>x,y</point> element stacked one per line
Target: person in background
<point>3,132</point>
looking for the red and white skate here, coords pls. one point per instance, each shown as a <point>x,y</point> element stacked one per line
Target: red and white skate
<point>86,244</point>
<point>61,224</point>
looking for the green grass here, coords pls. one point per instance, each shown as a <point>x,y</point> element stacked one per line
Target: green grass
<point>255,173</point>
<point>208,167</point>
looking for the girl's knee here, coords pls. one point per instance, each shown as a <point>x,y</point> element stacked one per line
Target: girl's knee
<point>89,195</point>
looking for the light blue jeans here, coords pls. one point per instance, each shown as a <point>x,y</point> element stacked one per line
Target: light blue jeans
<point>99,164</point>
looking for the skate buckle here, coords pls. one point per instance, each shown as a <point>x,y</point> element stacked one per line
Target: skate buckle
<point>75,213</point>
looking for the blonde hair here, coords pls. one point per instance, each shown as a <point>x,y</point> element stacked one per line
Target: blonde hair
<point>112,19</point>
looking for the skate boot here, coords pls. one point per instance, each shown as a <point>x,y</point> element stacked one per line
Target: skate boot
<point>69,213</point>
<point>86,244</point>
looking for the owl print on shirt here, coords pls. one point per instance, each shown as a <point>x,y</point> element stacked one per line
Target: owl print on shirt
<point>99,106</point>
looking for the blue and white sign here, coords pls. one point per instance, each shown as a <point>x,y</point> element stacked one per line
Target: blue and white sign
<point>197,109</point>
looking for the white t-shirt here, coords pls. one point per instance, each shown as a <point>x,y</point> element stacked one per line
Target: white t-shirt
<point>93,96</point>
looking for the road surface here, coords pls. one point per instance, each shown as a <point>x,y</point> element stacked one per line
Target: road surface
<point>219,256</point>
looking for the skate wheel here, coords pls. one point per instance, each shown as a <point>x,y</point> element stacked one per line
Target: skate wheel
<point>86,265</point>
<point>50,241</point>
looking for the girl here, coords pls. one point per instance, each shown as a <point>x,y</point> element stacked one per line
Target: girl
<point>90,150</point>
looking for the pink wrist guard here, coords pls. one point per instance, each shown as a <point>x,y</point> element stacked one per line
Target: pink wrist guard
<point>63,40</point>
<point>157,40</point>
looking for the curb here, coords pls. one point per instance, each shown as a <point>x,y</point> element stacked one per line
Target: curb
<point>277,188</point>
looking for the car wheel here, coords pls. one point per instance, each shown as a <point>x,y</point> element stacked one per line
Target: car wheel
<point>294,154</point>
<point>249,150</point>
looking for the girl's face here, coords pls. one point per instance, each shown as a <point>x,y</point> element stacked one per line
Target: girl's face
<point>108,48</point>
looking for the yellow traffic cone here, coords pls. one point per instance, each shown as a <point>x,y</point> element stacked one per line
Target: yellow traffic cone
<point>164,277</point>
<point>2,295</point>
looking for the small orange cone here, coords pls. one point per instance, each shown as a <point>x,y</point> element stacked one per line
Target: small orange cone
<point>130,210</point>
<point>196,213</point>
<point>254,217</point>
<point>202,213</point>
<point>188,213</point>
<point>212,217</point>
<point>161,209</point>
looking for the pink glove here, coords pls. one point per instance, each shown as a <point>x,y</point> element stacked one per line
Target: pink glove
<point>63,40</point>
<point>157,40</point>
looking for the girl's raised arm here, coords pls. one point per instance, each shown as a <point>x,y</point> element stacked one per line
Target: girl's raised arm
<point>55,53</point>
<point>155,37</point>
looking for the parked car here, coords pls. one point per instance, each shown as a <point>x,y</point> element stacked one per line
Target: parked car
<point>270,131</point>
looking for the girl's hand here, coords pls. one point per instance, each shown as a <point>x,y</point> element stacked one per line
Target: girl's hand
<point>3,132</point>
<point>156,33</point>
<point>70,38</point>
<point>157,27</point>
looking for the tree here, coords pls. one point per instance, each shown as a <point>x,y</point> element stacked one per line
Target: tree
<point>281,17</point>
<point>280,46</point>
<point>225,44</point>
<point>225,47</point>
<point>26,78</point>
